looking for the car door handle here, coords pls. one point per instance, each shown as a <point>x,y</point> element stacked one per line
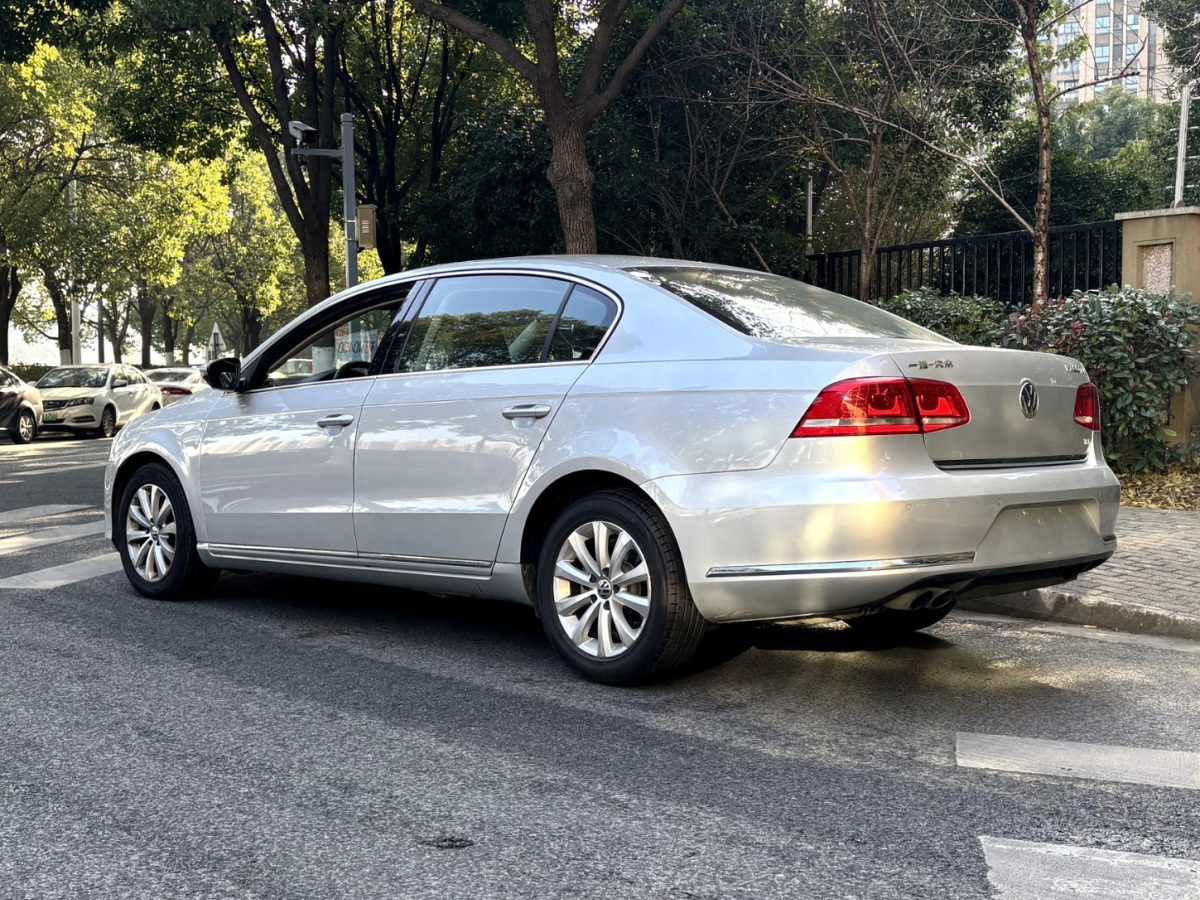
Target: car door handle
<point>526,411</point>
<point>337,421</point>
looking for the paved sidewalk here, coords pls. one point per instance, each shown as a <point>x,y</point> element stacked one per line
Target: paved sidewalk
<point>1150,586</point>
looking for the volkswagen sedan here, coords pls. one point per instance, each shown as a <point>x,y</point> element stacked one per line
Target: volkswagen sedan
<point>640,448</point>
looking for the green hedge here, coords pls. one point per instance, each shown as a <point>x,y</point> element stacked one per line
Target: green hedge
<point>31,372</point>
<point>1136,346</point>
<point>978,321</point>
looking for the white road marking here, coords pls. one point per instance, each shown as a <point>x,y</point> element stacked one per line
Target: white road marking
<point>38,512</point>
<point>1024,870</point>
<point>20,542</point>
<point>69,573</point>
<point>1130,765</point>
<point>68,468</point>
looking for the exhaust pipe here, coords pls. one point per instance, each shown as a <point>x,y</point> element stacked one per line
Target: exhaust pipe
<point>942,599</point>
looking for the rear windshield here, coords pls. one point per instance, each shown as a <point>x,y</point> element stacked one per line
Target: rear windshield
<point>779,309</point>
<point>170,374</point>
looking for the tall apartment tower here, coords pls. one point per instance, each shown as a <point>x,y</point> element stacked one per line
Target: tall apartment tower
<point>1119,38</point>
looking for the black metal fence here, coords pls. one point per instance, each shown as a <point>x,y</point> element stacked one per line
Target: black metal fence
<point>1082,257</point>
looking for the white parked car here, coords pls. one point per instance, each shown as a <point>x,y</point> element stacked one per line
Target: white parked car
<point>177,382</point>
<point>95,399</point>
<point>640,448</point>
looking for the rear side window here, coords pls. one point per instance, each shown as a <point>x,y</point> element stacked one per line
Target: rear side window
<point>779,309</point>
<point>585,320</point>
<point>469,321</point>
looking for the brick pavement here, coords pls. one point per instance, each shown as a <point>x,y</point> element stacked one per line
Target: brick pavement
<point>1157,563</point>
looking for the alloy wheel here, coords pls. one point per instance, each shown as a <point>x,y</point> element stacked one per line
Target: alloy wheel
<point>150,532</point>
<point>26,427</point>
<point>601,589</point>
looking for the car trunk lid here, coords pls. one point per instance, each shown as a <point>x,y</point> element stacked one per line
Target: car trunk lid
<point>1022,405</point>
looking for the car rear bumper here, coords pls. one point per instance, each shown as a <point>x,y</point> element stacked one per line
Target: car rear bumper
<point>791,540</point>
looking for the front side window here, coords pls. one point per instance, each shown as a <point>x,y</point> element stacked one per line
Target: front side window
<point>344,350</point>
<point>470,321</point>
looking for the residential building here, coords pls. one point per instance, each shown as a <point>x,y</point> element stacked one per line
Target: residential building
<point>1121,42</point>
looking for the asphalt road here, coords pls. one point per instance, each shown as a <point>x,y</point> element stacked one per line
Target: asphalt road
<point>289,738</point>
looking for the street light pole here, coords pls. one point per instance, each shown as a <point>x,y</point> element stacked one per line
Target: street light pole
<point>349,206</point>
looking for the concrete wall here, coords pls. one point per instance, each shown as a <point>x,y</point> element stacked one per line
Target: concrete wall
<point>1160,251</point>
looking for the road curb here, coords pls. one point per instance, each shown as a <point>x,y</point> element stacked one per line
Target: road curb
<point>1053,605</point>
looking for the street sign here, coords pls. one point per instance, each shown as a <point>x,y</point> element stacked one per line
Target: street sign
<point>216,343</point>
<point>366,226</point>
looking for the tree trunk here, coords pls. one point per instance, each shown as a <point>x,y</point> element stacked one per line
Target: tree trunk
<point>169,329</point>
<point>10,287</point>
<point>1041,211</point>
<point>572,179</point>
<point>147,306</point>
<point>189,335</point>
<point>315,248</point>
<point>62,316</point>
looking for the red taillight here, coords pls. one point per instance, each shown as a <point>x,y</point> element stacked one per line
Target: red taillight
<point>883,406</point>
<point>176,391</point>
<point>939,405</point>
<point>1087,406</point>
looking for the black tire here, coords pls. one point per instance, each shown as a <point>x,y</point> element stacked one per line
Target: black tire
<point>887,622</point>
<point>186,576</point>
<point>670,631</point>
<point>25,429</point>
<point>108,423</point>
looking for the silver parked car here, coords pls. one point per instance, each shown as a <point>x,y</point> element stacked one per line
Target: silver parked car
<point>177,382</point>
<point>640,448</point>
<point>95,399</point>
<point>20,407</point>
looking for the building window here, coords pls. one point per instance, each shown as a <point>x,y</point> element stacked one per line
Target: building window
<point>1132,50</point>
<point>1069,84</point>
<point>1133,21</point>
<point>1103,24</point>
<point>1131,83</point>
<point>1102,54</point>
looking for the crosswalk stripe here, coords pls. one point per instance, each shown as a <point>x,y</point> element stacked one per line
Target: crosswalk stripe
<point>1024,870</point>
<point>68,573</point>
<point>1100,762</point>
<point>18,543</point>
<point>74,467</point>
<point>38,512</point>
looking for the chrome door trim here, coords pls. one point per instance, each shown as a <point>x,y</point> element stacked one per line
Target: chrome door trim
<point>344,559</point>
<point>853,566</point>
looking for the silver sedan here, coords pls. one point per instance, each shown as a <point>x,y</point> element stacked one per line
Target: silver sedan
<point>640,448</point>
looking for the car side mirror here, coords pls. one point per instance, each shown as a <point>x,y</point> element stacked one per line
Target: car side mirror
<point>120,382</point>
<point>222,374</point>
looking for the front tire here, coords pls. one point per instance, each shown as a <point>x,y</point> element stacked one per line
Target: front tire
<point>156,538</point>
<point>108,423</point>
<point>612,593</point>
<point>26,428</point>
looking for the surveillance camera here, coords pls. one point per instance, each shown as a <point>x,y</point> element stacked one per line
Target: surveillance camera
<point>305,135</point>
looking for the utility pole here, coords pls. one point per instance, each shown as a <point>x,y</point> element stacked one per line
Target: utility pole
<point>1181,154</point>
<point>304,134</point>
<point>76,350</point>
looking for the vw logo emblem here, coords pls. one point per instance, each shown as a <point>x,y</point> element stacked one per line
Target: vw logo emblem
<point>1029,399</point>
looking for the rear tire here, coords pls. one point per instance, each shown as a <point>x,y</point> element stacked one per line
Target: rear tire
<point>889,622</point>
<point>26,428</point>
<point>611,591</point>
<point>156,538</point>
